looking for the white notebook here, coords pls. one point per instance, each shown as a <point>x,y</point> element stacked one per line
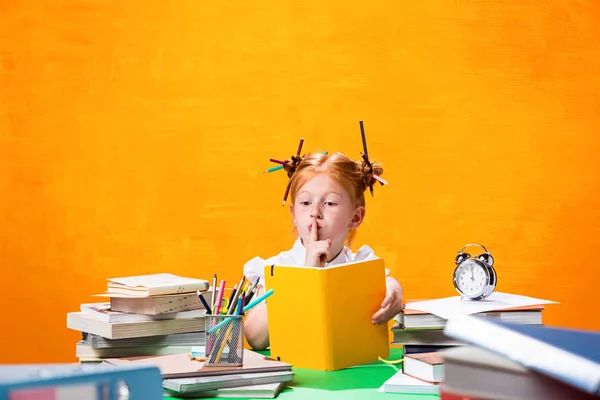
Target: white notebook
<point>400,383</point>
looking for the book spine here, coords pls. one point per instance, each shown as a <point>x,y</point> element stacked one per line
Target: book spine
<point>328,345</point>
<point>527,351</point>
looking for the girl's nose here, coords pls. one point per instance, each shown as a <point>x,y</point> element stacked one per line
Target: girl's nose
<point>316,212</point>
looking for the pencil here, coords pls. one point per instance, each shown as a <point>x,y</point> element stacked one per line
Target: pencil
<point>277,161</point>
<point>224,340</point>
<point>364,140</point>
<point>300,146</point>
<point>381,180</point>
<point>273,169</point>
<point>364,157</point>
<point>287,191</point>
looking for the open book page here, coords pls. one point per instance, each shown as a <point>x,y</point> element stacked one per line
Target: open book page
<point>452,306</point>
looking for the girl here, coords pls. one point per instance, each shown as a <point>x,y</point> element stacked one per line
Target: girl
<point>328,205</point>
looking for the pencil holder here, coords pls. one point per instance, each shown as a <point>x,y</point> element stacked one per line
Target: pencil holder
<point>224,340</point>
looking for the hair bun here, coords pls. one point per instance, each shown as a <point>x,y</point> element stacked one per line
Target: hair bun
<point>368,169</point>
<point>292,165</point>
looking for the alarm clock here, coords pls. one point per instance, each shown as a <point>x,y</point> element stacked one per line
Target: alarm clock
<point>474,277</point>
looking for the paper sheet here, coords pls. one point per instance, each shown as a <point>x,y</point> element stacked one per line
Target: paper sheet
<point>450,306</point>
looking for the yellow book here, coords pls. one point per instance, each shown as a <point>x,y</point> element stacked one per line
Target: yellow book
<point>320,318</point>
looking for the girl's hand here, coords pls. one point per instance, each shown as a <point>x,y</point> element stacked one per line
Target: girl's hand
<point>392,304</point>
<point>317,251</point>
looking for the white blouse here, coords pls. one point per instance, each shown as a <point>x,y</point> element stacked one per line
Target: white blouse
<point>296,257</point>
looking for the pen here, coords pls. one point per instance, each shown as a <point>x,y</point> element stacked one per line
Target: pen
<point>206,306</point>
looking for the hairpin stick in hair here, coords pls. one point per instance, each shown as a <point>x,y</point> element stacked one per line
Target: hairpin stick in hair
<point>277,161</point>
<point>287,191</point>
<point>381,180</point>
<point>273,169</point>
<point>370,168</point>
<point>364,140</point>
<point>300,146</point>
<point>364,157</point>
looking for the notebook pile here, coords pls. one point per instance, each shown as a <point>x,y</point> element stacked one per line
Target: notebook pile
<point>146,315</point>
<point>420,330</point>
<point>259,377</point>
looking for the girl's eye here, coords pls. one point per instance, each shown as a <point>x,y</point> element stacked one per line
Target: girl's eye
<point>330,204</point>
<point>305,203</point>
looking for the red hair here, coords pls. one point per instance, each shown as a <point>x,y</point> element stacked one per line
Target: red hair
<point>354,176</point>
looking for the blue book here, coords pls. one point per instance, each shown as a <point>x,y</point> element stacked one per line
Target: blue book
<point>77,381</point>
<point>568,355</point>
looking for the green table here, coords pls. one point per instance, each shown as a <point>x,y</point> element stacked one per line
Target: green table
<point>359,382</point>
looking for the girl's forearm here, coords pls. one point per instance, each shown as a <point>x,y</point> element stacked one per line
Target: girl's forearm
<point>256,327</point>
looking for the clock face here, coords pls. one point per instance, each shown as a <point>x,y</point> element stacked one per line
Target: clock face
<point>471,278</point>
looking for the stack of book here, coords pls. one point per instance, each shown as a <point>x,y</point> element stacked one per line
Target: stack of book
<point>421,373</point>
<point>510,361</point>
<point>419,327</point>
<point>147,315</point>
<point>258,377</point>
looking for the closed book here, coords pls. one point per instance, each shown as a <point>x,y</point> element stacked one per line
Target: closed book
<point>539,348</point>
<point>477,373</point>
<point>265,391</point>
<point>75,381</point>
<point>447,393</point>
<point>402,383</point>
<point>198,384</point>
<point>425,366</point>
<point>413,349</point>
<point>79,321</point>
<point>156,305</point>
<point>431,337</point>
<point>181,366</point>
<point>416,319</point>
<point>103,312</point>
<point>155,285</point>
<point>174,339</point>
<point>84,350</point>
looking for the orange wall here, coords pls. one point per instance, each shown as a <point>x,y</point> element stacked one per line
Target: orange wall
<point>133,136</point>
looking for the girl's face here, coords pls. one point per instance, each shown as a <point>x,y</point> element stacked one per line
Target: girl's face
<point>326,201</point>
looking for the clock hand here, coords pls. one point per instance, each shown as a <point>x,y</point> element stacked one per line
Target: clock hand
<point>472,276</point>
